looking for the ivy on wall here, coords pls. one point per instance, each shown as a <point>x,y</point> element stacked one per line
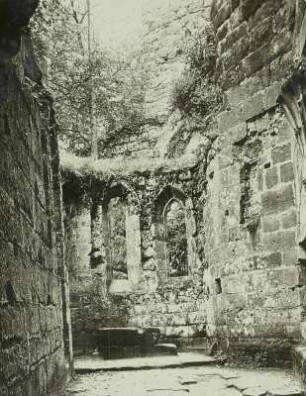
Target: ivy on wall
<point>197,92</point>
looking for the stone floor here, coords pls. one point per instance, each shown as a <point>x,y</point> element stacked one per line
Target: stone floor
<point>189,381</point>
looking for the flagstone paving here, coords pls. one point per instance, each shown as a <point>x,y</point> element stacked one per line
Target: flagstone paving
<point>189,381</point>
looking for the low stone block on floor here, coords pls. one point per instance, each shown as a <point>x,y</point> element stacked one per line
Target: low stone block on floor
<point>162,349</point>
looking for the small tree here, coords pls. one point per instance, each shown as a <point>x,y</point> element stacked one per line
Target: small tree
<point>86,85</point>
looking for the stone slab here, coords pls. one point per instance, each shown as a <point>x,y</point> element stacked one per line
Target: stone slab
<point>85,365</point>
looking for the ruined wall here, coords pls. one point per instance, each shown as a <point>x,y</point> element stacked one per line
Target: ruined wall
<point>35,352</point>
<point>250,214</point>
<point>150,297</point>
<point>244,195</point>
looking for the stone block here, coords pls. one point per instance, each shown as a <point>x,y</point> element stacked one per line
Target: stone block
<point>233,38</point>
<point>266,9</point>
<point>289,219</point>
<point>284,132</point>
<point>260,179</point>
<point>271,95</point>
<point>253,107</point>
<point>238,132</point>
<point>234,76</point>
<point>290,256</point>
<point>248,7</point>
<point>271,224</point>
<point>261,33</point>
<point>177,319</point>
<point>160,248</point>
<point>222,31</point>
<point>272,260</point>
<point>281,153</point>
<point>271,176</point>
<point>257,60</point>
<point>277,201</point>
<point>287,172</point>
<point>227,120</point>
<point>231,58</point>
<point>223,13</point>
<point>279,240</point>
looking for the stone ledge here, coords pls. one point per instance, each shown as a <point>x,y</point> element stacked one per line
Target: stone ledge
<point>87,365</point>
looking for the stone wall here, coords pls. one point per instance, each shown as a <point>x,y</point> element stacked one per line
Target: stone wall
<point>150,297</point>
<point>251,247</point>
<point>35,352</point>
<point>254,41</point>
<point>244,194</point>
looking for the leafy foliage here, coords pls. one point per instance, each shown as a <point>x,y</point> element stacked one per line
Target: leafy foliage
<point>177,240</point>
<point>117,214</point>
<point>197,92</point>
<point>93,91</point>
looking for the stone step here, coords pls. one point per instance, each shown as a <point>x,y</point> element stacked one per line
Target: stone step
<point>90,364</point>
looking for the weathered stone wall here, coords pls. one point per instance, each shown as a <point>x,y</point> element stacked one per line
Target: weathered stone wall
<point>244,196</point>
<point>35,352</point>
<point>150,297</point>
<point>250,214</point>
<point>254,41</point>
<point>176,309</point>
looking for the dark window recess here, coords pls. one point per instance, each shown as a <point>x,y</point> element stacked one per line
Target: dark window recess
<point>49,300</point>
<point>95,258</point>
<point>117,212</point>
<point>175,225</point>
<point>218,285</point>
<point>10,293</point>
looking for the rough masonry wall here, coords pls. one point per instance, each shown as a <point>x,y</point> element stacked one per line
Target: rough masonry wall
<point>250,214</point>
<point>35,351</point>
<point>246,291</point>
<point>149,298</point>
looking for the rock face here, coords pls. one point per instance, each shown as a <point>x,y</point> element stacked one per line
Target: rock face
<point>243,192</point>
<point>35,328</point>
